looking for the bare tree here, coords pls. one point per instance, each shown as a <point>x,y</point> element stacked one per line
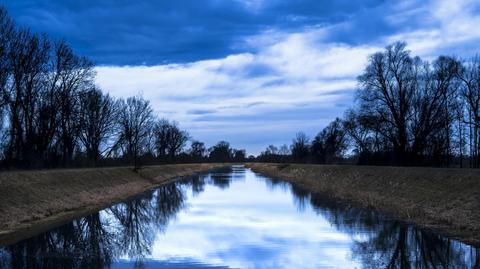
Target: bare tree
<point>161,136</point>
<point>197,150</point>
<point>300,147</point>
<point>357,131</point>
<point>239,155</point>
<point>330,143</point>
<point>28,56</point>
<point>6,35</point>
<point>284,150</point>
<point>7,30</point>
<point>177,140</point>
<point>221,152</point>
<point>135,123</point>
<point>97,122</point>
<point>169,139</point>
<point>74,74</point>
<point>469,75</point>
<point>410,102</point>
<point>387,88</point>
<point>271,150</point>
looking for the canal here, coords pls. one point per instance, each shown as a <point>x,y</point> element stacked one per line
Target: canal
<point>235,218</point>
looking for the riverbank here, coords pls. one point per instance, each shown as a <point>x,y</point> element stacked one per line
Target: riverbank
<point>33,201</point>
<point>445,200</point>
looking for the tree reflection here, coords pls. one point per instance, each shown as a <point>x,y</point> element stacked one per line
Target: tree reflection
<point>169,200</point>
<point>301,196</point>
<point>381,242</point>
<point>196,182</point>
<point>83,243</point>
<point>221,177</point>
<point>135,232</point>
<point>94,241</point>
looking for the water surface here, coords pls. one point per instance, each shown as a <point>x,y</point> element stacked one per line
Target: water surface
<point>234,218</point>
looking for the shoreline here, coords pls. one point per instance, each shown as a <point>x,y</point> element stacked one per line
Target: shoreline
<point>35,201</point>
<point>440,199</point>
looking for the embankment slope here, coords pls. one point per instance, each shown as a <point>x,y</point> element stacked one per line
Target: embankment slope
<point>446,200</point>
<point>32,201</point>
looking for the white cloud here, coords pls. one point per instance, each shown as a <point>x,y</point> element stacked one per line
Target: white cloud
<point>447,27</point>
<point>288,73</point>
<point>280,77</point>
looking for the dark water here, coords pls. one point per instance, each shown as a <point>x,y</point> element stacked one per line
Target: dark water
<point>233,218</point>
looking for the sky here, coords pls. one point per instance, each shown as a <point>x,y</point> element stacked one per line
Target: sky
<point>251,72</point>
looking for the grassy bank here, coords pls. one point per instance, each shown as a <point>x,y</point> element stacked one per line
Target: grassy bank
<point>446,200</point>
<point>32,201</point>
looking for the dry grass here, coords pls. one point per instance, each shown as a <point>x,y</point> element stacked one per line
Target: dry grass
<point>447,200</point>
<point>30,200</point>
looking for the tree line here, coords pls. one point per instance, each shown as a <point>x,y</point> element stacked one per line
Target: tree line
<point>408,111</point>
<point>52,114</point>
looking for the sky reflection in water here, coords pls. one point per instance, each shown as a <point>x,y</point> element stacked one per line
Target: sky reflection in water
<point>233,218</point>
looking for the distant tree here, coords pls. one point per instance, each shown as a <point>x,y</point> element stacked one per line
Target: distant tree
<point>273,154</point>
<point>300,147</point>
<point>330,143</point>
<point>239,155</point>
<point>284,150</point>
<point>161,136</point>
<point>169,139</point>
<point>177,140</point>
<point>271,150</point>
<point>97,121</point>
<point>317,149</point>
<point>221,152</point>
<point>197,150</point>
<point>135,123</point>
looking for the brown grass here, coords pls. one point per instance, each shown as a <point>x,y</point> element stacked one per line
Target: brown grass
<point>446,200</point>
<point>31,201</point>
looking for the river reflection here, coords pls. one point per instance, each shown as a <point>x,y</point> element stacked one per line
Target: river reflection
<point>233,218</point>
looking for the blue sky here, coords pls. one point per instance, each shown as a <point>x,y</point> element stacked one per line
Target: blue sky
<point>252,72</point>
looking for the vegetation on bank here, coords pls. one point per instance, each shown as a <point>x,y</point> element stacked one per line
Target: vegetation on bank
<point>446,200</point>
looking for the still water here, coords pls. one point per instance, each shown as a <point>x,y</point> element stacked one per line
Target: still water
<point>234,218</point>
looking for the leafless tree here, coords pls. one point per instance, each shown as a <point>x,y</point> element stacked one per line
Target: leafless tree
<point>410,101</point>
<point>329,145</point>
<point>97,122</point>
<point>135,124</point>
<point>169,139</point>
<point>28,57</point>
<point>300,147</point>
<point>74,74</point>
<point>197,150</point>
<point>6,35</point>
<point>469,75</point>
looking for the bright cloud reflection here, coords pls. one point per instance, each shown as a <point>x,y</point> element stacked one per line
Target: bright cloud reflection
<point>251,226</point>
